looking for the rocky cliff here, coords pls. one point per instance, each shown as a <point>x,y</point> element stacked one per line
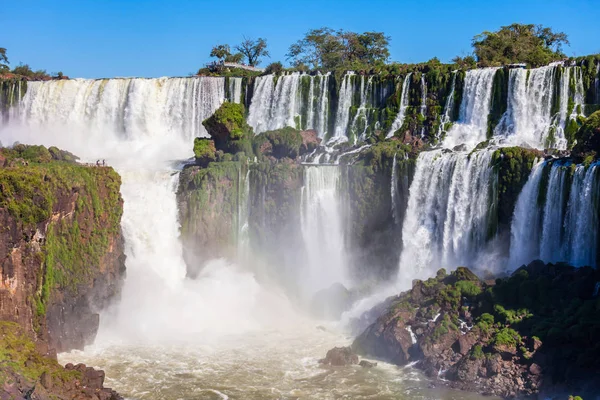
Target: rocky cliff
<point>61,247</point>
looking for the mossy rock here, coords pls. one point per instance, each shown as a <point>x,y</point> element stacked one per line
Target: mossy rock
<point>227,124</point>
<point>204,151</point>
<point>588,137</point>
<point>285,142</point>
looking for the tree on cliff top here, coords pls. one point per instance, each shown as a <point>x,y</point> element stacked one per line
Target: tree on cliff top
<point>223,53</point>
<point>329,49</point>
<point>535,45</point>
<point>253,50</point>
<point>3,60</point>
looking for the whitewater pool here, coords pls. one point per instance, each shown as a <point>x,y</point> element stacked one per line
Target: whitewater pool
<point>262,365</point>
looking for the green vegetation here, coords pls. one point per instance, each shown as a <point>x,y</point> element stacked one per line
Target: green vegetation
<point>204,150</point>
<point>506,337</point>
<point>534,45</point>
<point>3,60</point>
<point>35,182</point>
<point>330,50</point>
<point>283,142</point>
<point>223,53</point>
<point>18,353</point>
<point>229,130</point>
<point>588,138</point>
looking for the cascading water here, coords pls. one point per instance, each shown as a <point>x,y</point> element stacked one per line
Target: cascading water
<point>394,190</point>
<point>597,83</point>
<point>565,228</point>
<point>578,96</point>
<point>322,228</point>
<point>358,127</point>
<point>447,108</point>
<point>525,226</point>
<point>323,102</point>
<point>344,103</point>
<point>446,220</point>
<point>235,90</point>
<point>423,108</point>
<point>399,120</point>
<point>471,127</point>
<point>243,239</point>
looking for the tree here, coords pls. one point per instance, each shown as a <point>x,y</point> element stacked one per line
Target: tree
<point>519,43</point>
<point>329,49</point>
<point>253,50</point>
<point>220,51</point>
<point>3,59</point>
<point>234,58</point>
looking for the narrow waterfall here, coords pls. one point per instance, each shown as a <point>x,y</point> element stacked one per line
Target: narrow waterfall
<point>423,108</point>
<point>235,90</point>
<point>446,220</point>
<point>525,227</point>
<point>358,127</point>
<point>323,103</point>
<point>243,234</point>
<point>343,110</point>
<point>394,190</point>
<point>597,83</point>
<point>399,120</point>
<point>565,227</point>
<point>472,125</point>
<point>129,108</point>
<point>564,93</point>
<point>11,93</point>
<point>322,229</point>
<point>578,96</point>
<point>445,119</point>
<point>528,118</point>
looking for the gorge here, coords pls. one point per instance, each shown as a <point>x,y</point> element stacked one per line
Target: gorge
<point>321,195</point>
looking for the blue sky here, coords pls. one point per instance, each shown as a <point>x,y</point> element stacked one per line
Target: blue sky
<point>86,38</point>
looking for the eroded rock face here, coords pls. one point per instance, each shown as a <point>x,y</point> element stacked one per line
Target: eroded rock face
<point>62,254</point>
<point>484,337</point>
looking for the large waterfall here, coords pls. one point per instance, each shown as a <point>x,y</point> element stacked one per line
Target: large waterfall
<point>557,221</point>
<point>322,228</point>
<point>446,220</point>
<point>472,125</point>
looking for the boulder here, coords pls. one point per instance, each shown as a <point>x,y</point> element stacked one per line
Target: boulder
<point>310,141</point>
<point>367,364</point>
<point>339,357</point>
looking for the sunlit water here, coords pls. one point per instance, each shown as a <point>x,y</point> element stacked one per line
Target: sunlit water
<point>263,365</point>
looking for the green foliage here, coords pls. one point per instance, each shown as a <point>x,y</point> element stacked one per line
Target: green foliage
<point>204,150</point>
<point>3,60</point>
<point>25,70</point>
<point>18,352</point>
<point>253,50</point>
<point>468,288</point>
<point>329,49</point>
<point>588,137</point>
<point>519,43</point>
<point>220,51</point>
<point>506,337</point>
<point>229,130</point>
<point>274,68</point>
<point>477,352</point>
<point>285,142</point>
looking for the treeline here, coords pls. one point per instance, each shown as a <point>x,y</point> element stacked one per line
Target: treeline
<point>24,69</point>
<point>329,49</point>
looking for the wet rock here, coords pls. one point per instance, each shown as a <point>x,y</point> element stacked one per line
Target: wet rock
<point>330,303</point>
<point>367,364</point>
<point>310,141</point>
<point>340,356</point>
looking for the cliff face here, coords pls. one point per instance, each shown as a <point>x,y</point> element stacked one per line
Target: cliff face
<point>61,247</point>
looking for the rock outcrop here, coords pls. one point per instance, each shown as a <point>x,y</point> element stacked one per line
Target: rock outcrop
<point>521,335</point>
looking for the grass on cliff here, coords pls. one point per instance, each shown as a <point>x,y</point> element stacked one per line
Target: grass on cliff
<point>18,353</point>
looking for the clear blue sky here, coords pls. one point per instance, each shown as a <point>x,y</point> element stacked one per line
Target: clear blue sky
<point>86,38</point>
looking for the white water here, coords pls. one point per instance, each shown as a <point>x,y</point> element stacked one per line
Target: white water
<point>360,119</point>
<point>597,83</point>
<point>525,226</point>
<point>578,96</point>
<point>447,216</point>
<point>399,120</point>
<point>344,104</point>
<point>322,229</point>
<point>471,127</point>
<point>423,96</point>
<point>275,105</point>
<point>447,108</point>
<point>235,90</point>
<point>568,225</point>
<point>394,190</point>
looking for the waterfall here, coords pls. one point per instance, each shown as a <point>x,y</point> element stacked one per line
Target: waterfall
<point>127,108</point>
<point>404,98</point>
<point>278,102</point>
<point>243,238</point>
<point>563,102</point>
<point>139,126</point>
<point>578,96</point>
<point>447,108</point>
<point>446,220</point>
<point>528,118</point>
<point>472,125</point>
<point>565,228</point>
<point>235,90</point>
<point>343,109</point>
<point>394,190</point>
<point>597,82</point>
<point>361,112</point>
<point>322,229</point>
<point>423,96</point>
<point>525,226</point>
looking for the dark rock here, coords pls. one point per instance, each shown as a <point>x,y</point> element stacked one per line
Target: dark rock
<point>535,369</point>
<point>340,356</point>
<point>367,364</point>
